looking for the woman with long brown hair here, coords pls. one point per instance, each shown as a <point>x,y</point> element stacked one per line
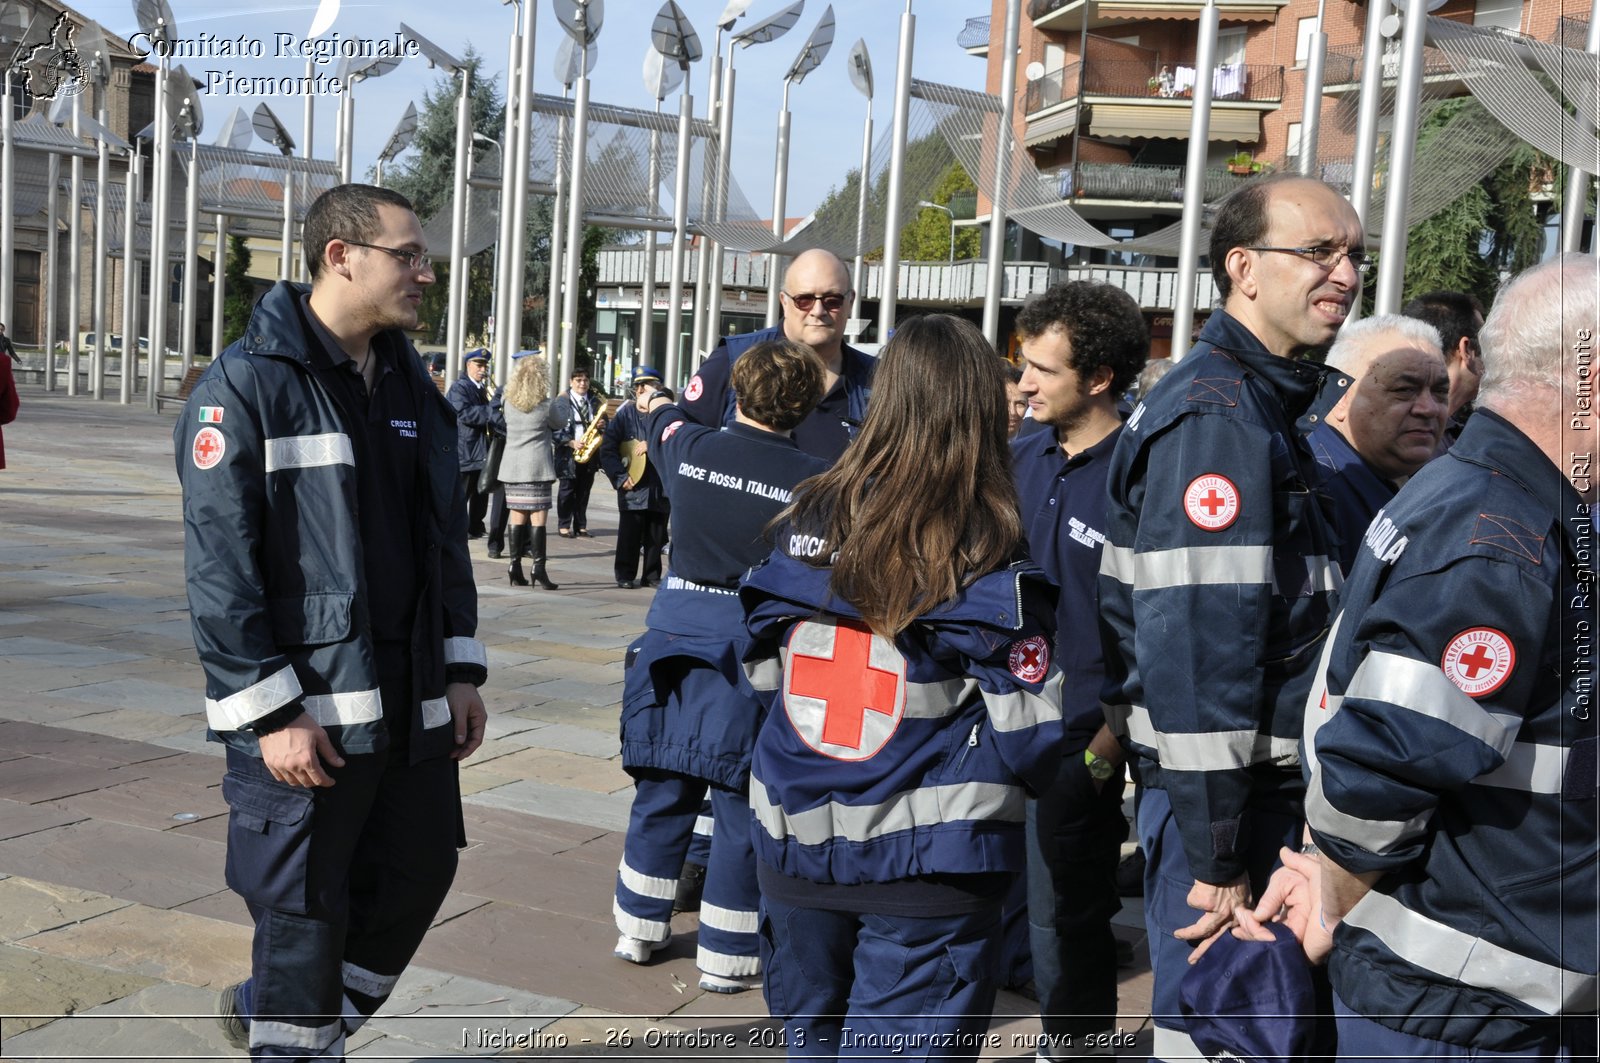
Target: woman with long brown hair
<point>527,471</point>
<point>904,648</point>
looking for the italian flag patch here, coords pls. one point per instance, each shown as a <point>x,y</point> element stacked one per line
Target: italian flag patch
<point>211,415</point>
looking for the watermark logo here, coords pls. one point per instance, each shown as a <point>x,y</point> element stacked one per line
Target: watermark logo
<point>54,68</point>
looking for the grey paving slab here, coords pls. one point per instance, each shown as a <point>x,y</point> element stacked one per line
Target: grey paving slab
<point>60,655</point>
<point>128,603</point>
<point>18,818</point>
<point>141,694</point>
<point>9,617</point>
<point>58,578</point>
<point>569,739</point>
<point>159,868</point>
<point>558,802</point>
<point>162,1021</point>
<point>39,989</point>
<point>445,1012</point>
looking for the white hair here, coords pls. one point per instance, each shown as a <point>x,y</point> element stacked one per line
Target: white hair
<point>1349,351</point>
<point>1530,337</point>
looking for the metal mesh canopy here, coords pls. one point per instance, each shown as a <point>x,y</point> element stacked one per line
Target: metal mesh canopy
<point>250,183</point>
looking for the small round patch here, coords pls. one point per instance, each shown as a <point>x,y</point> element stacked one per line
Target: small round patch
<point>209,446</point>
<point>1211,502</point>
<point>671,430</point>
<point>694,389</point>
<point>1030,658</point>
<point>1479,660</point>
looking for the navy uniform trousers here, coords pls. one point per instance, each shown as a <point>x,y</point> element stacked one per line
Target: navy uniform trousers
<point>342,882</point>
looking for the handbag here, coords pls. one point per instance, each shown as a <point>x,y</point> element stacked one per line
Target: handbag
<point>489,475</point>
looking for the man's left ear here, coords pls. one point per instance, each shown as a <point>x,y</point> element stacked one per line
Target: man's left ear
<point>1100,380</point>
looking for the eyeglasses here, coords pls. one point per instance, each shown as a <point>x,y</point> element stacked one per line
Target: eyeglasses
<point>417,261</point>
<point>1326,257</point>
<point>831,301</point>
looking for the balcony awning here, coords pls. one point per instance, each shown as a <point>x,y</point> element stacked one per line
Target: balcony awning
<point>1228,12</point>
<point>1051,127</point>
<point>1141,121</point>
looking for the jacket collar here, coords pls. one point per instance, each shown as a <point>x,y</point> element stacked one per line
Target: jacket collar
<point>1296,382</point>
<point>1494,443</point>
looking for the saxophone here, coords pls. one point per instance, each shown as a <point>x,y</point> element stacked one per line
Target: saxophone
<point>589,444</point>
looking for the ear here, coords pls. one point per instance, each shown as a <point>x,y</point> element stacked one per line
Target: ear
<point>336,256</point>
<point>1100,381</point>
<point>1340,414</point>
<point>1241,270</point>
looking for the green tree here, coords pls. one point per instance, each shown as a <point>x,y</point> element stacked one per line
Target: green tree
<point>926,238</point>
<point>238,292</point>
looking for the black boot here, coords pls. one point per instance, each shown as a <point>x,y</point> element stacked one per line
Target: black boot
<point>518,534</point>
<point>539,576</point>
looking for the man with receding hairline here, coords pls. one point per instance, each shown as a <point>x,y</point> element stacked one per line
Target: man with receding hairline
<point>817,300</point>
<point>1217,576</point>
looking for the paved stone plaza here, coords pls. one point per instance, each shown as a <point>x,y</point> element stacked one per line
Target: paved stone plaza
<point>116,928</point>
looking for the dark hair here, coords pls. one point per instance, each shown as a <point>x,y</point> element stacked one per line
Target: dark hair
<point>1242,222</point>
<point>1454,314</point>
<point>922,503</point>
<point>1013,373</point>
<point>778,382</point>
<point>345,212</point>
<point>1104,327</point>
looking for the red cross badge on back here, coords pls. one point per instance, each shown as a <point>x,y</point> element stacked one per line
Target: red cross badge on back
<point>1479,660</point>
<point>844,688</point>
<point>1211,502</point>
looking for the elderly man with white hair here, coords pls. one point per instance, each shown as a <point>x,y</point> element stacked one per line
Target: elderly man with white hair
<point>1453,881</point>
<point>1387,425</point>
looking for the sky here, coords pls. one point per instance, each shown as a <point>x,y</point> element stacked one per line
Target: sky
<point>827,111</point>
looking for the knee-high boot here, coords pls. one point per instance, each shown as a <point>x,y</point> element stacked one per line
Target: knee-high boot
<point>539,577</point>
<point>518,545</point>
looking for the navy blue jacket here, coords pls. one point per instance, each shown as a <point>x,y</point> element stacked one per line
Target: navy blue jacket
<point>628,424</point>
<point>578,416</point>
<point>825,432</point>
<point>1216,582</point>
<point>1352,490</point>
<point>476,422</point>
<point>885,760</point>
<point>272,543</point>
<point>1458,757</point>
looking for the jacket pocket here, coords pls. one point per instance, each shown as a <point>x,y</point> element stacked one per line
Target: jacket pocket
<point>310,619</point>
<point>269,841</point>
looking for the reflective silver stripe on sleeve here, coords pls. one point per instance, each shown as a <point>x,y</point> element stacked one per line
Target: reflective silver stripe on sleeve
<point>1194,566</point>
<point>1116,562</point>
<point>661,889</point>
<point>341,710</point>
<point>1320,705</point>
<point>1022,709</point>
<point>935,701</point>
<point>1373,835</point>
<point>253,702</point>
<point>462,650</point>
<point>1461,957</point>
<point>1210,750</point>
<point>732,920</point>
<point>367,983</point>
<point>928,806</point>
<point>1324,573</point>
<point>435,713</point>
<point>1422,688</point>
<point>764,674</point>
<point>309,452</point>
<point>1530,767</point>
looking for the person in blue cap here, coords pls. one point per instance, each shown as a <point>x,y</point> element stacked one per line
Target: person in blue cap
<point>476,423</point>
<point>642,505</point>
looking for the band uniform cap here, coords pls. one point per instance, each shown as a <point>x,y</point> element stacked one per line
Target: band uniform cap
<point>1255,1000</point>
<point>643,373</point>
<point>479,355</point>
<point>523,354</point>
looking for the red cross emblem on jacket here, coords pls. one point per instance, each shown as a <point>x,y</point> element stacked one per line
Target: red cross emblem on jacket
<point>844,688</point>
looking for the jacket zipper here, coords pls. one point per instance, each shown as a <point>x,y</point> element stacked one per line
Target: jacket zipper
<point>972,743</point>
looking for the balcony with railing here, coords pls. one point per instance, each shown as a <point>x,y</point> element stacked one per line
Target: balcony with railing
<point>1139,183</point>
<point>974,36</point>
<point>1163,84</point>
<point>1571,32</point>
<point>1341,70</point>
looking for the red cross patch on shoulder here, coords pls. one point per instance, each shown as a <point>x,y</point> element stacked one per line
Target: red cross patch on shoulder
<point>694,389</point>
<point>1479,661</point>
<point>1030,658</point>
<point>1211,502</point>
<point>209,446</point>
<point>844,688</point>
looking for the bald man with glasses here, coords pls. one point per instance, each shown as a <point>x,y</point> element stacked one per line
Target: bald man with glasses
<point>817,301</point>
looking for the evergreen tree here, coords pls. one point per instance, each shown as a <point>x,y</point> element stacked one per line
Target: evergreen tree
<point>238,292</point>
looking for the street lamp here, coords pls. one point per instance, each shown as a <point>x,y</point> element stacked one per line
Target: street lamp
<point>924,204</point>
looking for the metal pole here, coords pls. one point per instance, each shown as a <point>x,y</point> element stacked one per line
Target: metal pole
<point>1002,177</point>
<point>519,234</point>
<point>190,310</point>
<point>1371,102</point>
<point>569,306</point>
<point>286,256</point>
<point>897,161</point>
<point>1311,107</point>
<point>709,166</point>
<point>8,188</point>
<point>858,274</point>
<point>647,300</point>
<point>1575,203</point>
<point>347,108</point>
<point>102,177</point>
<point>502,247</point>
<point>680,224</point>
<point>52,226</point>
<point>1402,153</point>
<point>160,186</point>
<point>780,193</point>
<point>558,242</point>
<point>74,257</point>
<point>305,153</point>
<point>713,318</point>
<point>1194,181</point>
<point>219,287</point>
<point>456,325</point>
<point>130,280</point>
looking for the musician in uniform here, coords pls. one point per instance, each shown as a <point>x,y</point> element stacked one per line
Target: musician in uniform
<point>641,503</point>
<point>582,408</point>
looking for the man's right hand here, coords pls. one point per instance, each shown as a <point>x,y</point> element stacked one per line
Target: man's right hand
<point>1216,903</point>
<point>295,753</point>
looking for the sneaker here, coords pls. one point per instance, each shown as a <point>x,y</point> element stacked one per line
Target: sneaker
<point>637,950</point>
<point>716,983</point>
<point>691,883</point>
<point>235,1026</point>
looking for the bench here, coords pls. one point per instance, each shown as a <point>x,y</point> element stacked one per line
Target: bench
<point>190,379</point>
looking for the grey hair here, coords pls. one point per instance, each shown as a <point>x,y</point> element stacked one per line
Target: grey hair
<point>1529,337</point>
<point>1349,347</point>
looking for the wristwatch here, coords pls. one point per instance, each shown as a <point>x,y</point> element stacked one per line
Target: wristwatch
<point>1100,768</point>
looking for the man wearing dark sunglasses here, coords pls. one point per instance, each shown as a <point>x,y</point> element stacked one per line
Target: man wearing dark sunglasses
<point>817,301</point>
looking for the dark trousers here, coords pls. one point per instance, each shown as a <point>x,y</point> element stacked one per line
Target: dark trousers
<point>640,530</point>
<point>1075,836</point>
<point>572,498</point>
<point>342,883</point>
<point>927,981</point>
<point>498,518</point>
<point>477,503</point>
